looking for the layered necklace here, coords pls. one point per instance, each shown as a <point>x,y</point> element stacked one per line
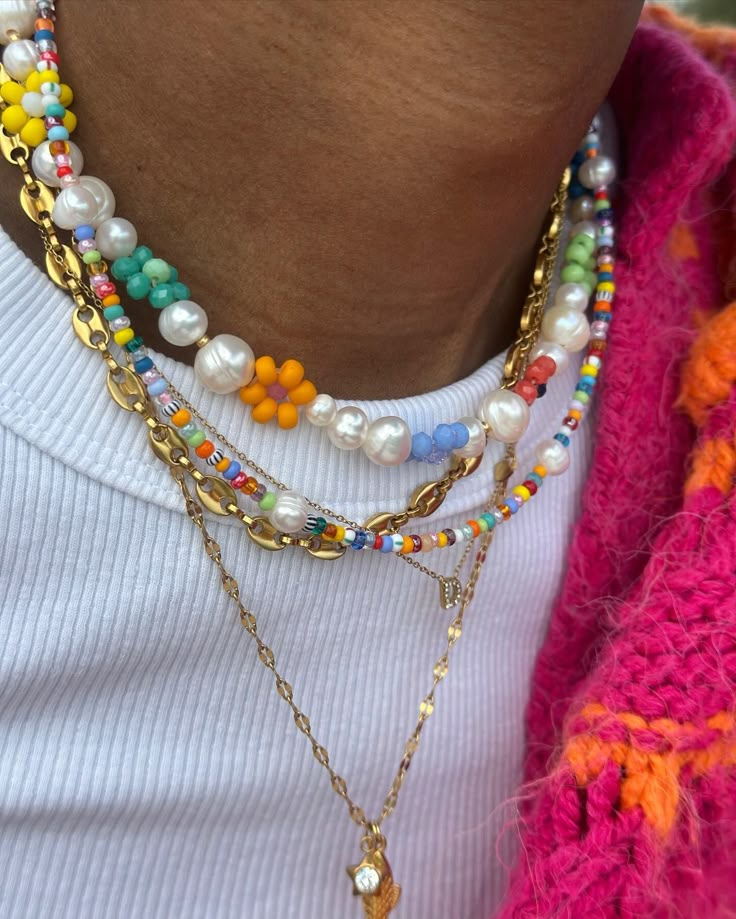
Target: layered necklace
<point>211,472</point>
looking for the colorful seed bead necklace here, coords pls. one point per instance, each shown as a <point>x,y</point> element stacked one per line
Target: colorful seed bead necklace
<point>226,363</point>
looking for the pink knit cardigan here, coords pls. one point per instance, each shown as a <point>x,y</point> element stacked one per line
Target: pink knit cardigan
<point>632,740</point>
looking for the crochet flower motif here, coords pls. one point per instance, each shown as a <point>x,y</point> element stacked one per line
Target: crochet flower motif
<point>277,392</point>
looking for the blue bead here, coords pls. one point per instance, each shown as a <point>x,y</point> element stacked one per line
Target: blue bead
<point>586,379</point>
<point>157,387</point>
<point>58,133</point>
<point>468,531</point>
<point>541,389</point>
<point>232,470</point>
<point>461,434</point>
<point>602,317</point>
<point>576,190</point>
<point>43,34</point>
<point>55,110</point>
<point>84,232</point>
<point>578,159</point>
<point>437,456</point>
<point>142,365</point>
<point>387,545</point>
<point>421,445</point>
<point>443,437</point>
<point>605,214</point>
<point>489,519</point>
<point>563,439</point>
<point>605,275</point>
<point>359,541</point>
<point>512,506</point>
<point>537,479</point>
<point>370,538</point>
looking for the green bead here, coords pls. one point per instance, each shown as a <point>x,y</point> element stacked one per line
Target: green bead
<point>181,291</point>
<point>161,295</point>
<point>576,252</point>
<point>589,281</point>
<point>581,396</point>
<point>174,276</point>
<point>196,439</point>
<point>267,501</point>
<point>89,258</point>
<point>602,205</point>
<point>584,240</point>
<point>138,286</point>
<point>142,254</point>
<point>572,273</point>
<point>134,344</point>
<point>157,270</point>
<point>113,312</point>
<point>483,524</point>
<point>124,268</point>
<point>589,264</point>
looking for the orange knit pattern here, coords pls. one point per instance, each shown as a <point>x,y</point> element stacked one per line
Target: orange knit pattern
<point>650,779</point>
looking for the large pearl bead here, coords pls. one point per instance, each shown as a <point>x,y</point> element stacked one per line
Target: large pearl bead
<point>582,208</point>
<point>116,238</point>
<point>586,227</point>
<point>544,348</point>
<point>43,165</point>
<point>476,440</point>
<point>553,456</point>
<point>225,364</point>
<point>20,58</point>
<point>183,323</point>
<point>73,207</point>
<point>16,16</point>
<point>321,410</point>
<point>289,513</point>
<point>387,441</point>
<point>597,171</point>
<point>566,326</point>
<point>506,414</point>
<point>348,428</point>
<point>103,196</point>
<point>571,294</point>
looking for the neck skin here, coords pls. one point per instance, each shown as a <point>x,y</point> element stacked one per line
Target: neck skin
<point>358,185</point>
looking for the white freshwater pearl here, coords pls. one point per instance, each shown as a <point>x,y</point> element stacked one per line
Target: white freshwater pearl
<point>182,323</point>
<point>116,238</point>
<point>597,171</point>
<point>553,456</point>
<point>571,294</point>
<point>103,195</point>
<point>33,104</point>
<point>348,428</point>
<point>388,441</point>
<point>73,207</point>
<point>289,513</point>
<point>506,414</point>
<point>544,348</point>
<point>476,441</point>
<point>584,226</point>
<point>20,58</point>
<point>16,16</point>
<point>225,364</point>
<point>566,326</point>
<point>321,410</point>
<point>44,167</point>
<point>582,208</point>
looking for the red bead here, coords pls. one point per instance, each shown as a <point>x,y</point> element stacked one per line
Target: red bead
<point>531,486</point>
<point>239,480</point>
<point>571,423</point>
<point>527,391</point>
<point>540,370</point>
<point>378,542</point>
<point>50,56</point>
<point>105,289</point>
<point>64,171</point>
<point>601,195</point>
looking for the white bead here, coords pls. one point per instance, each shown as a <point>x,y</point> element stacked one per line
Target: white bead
<point>584,226</point>
<point>289,513</point>
<point>566,326</point>
<point>116,238</point>
<point>348,428</point>
<point>544,348</point>
<point>597,171</point>
<point>387,441</point>
<point>506,414</point>
<point>571,294</point>
<point>104,197</point>
<point>225,364</point>
<point>476,441</point>
<point>48,99</point>
<point>73,207</point>
<point>20,59</point>
<point>553,456</point>
<point>49,89</point>
<point>321,410</point>
<point>182,323</point>
<point>16,16</point>
<point>33,104</point>
<point>43,165</point>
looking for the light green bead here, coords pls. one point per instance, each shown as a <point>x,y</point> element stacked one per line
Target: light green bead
<point>581,396</point>
<point>572,274</point>
<point>483,524</point>
<point>602,205</point>
<point>196,439</point>
<point>267,501</point>
<point>89,258</point>
<point>157,270</point>
<point>589,281</point>
<point>584,240</point>
<point>576,252</point>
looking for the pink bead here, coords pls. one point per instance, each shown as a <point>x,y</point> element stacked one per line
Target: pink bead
<point>86,245</point>
<point>165,398</point>
<point>63,159</point>
<point>426,543</point>
<point>106,289</point>
<point>239,480</point>
<point>97,279</point>
<point>599,329</point>
<point>150,376</point>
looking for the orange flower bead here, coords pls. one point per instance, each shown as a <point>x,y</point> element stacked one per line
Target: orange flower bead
<point>276,392</point>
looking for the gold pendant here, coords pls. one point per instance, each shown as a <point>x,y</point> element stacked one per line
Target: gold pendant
<point>450,590</point>
<point>374,883</point>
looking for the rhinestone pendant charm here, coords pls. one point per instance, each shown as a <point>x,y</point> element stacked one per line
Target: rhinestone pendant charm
<point>450,591</point>
<point>374,883</point>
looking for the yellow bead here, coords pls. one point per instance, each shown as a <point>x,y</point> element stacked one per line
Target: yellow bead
<point>265,410</point>
<point>67,96</point>
<point>34,133</point>
<point>34,81</point>
<point>288,416</point>
<point>522,491</point>
<point>441,540</point>
<point>589,370</point>
<point>253,393</point>
<point>124,336</point>
<point>14,119</point>
<point>70,121</point>
<point>606,285</point>
<point>266,372</point>
<point>223,464</point>
<point>12,92</point>
<point>340,535</point>
<point>50,76</point>
<point>291,374</point>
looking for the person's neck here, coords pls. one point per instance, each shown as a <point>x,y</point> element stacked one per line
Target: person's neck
<point>357,185</point>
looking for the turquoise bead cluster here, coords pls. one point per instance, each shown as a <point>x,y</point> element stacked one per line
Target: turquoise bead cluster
<point>147,276</point>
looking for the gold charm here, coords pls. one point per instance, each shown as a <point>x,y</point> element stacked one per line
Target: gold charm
<point>374,883</point>
<point>450,591</point>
